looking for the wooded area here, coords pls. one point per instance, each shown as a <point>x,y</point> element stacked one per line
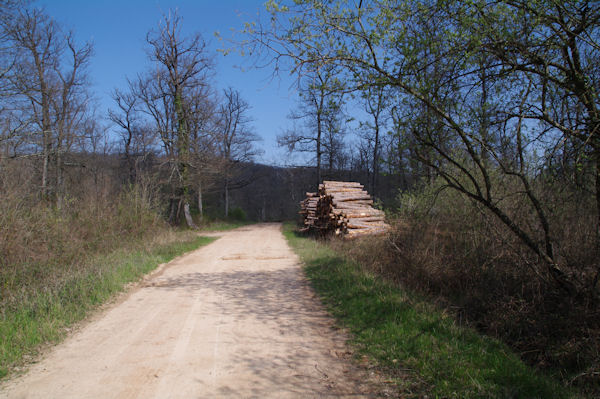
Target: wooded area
<point>179,137</point>
<point>492,107</point>
<point>474,125</point>
<point>497,101</point>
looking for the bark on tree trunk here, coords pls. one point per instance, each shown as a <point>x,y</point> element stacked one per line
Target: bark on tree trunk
<point>598,202</point>
<point>226,198</point>
<point>178,209</point>
<point>46,129</point>
<point>375,160</point>
<point>173,212</point>
<point>200,207</point>
<point>45,172</point>
<point>319,131</point>
<point>188,216</point>
<point>183,144</point>
<point>59,180</point>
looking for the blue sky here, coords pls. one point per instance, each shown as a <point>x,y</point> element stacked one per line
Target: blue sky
<point>118,28</point>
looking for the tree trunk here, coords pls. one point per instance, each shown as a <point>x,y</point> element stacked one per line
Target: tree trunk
<point>188,216</point>
<point>178,210</point>
<point>319,133</point>
<point>375,160</point>
<point>598,201</point>
<point>59,180</point>
<point>226,198</point>
<point>46,155</point>
<point>200,207</point>
<point>484,123</point>
<point>46,126</point>
<point>183,148</point>
<point>319,153</point>
<point>173,212</point>
<point>47,151</point>
<point>129,159</point>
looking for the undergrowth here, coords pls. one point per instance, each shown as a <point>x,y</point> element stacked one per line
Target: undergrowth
<point>420,345</point>
<point>58,263</point>
<point>467,261</point>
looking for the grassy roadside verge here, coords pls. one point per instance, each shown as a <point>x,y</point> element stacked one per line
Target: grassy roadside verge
<point>223,225</point>
<point>422,348</point>
<point>43,316</point>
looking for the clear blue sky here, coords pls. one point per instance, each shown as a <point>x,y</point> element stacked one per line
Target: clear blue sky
<point>118,28</point>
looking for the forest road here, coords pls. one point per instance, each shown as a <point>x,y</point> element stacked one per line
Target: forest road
<point>233,319</point>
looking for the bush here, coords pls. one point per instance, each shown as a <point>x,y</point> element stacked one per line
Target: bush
<point>237,214</point>
<point>42,246</point>
<point>456,252</point>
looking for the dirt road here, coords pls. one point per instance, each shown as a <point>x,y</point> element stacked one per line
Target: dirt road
<point>233,319</point>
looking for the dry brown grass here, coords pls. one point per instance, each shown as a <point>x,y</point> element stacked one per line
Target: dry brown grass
<point>471,265</point>
<point>42,246</point>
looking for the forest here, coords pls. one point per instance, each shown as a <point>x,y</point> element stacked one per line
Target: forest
<point>474,124</point>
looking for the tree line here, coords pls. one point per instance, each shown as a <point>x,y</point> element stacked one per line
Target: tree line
<point>495,100</point>
<point>174,127</point>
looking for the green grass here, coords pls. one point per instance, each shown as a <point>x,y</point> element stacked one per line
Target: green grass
<point>44,317</point>
<point>222,225</point>
<point>421,347</point>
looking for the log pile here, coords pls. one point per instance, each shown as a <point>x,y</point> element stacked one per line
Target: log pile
<point>343,208</point>
<point>308,210</point>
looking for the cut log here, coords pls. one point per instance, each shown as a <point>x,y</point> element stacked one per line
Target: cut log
<point>369,219</point>
<point>333,183</point>
<point>351,234</point>
<point>356,197</point>
<point>338,203</point>
<point>343,190</point>
<point>349,205</point>
<point>361,224</point>
<point>358,213</point>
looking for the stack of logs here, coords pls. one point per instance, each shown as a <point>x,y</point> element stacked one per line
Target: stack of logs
<point>343,208</point>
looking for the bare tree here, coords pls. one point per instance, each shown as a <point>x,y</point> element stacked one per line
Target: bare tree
<point>181,67</point>
<point>125,118</point>
<point>138,137</point>
<point>236,137</point>
<point>320,110</point>
<point>374,101</point>
<point>50,77</point>
<point>204,127</point>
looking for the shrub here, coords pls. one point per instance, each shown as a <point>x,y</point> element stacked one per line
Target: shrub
<point>237,214</point>
<point>456,252</point>
<point>42,245</point>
